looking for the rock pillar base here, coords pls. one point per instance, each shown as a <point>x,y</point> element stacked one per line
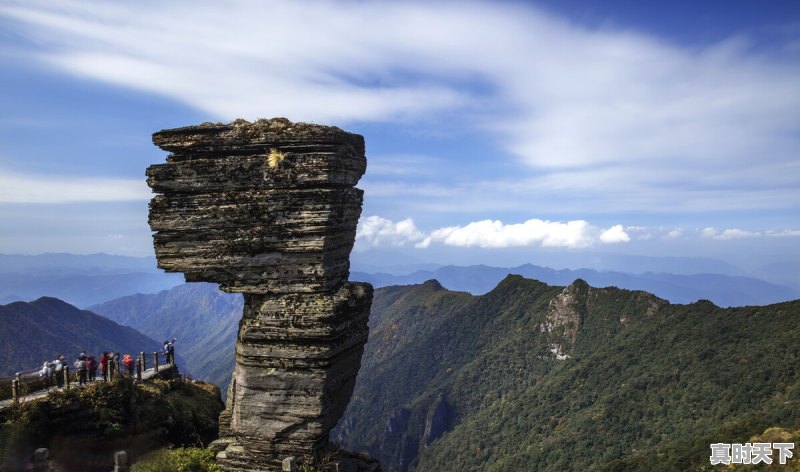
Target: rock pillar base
<point>297,357</point>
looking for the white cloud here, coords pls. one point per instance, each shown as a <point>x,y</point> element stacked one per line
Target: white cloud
<point>495,234</point>
<point>31,188</point>
<point>736,233</point>
<point>621,118</point>
<point>674,234</point>
<point>377,231</point>
<point>786,233</point>
<point>639,232</point>
<point>614,235</point>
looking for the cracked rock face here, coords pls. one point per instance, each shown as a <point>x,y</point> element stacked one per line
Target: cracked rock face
<point>269,209</point>
<point>565,317</point>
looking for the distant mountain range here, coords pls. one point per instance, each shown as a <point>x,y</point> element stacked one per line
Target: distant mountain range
<point>203,319</point>
<point>400,262</point>
<point>86,280</point>
<point>78,279</point>
<point>780,269</point>
<point>723,290</point>
<point>38,331</point>
<point>536,377</point>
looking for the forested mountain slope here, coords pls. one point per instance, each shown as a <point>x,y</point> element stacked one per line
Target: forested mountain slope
<point>38,331</point>
<point>202,318</point>
<point>533,377</point>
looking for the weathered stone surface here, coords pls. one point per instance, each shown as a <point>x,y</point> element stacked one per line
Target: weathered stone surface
<point>242,138</point>
<point>269,209</point>
<point>302,354</point>
<point>285,240</point>
<point>233,213</point>
<point>438,420</point>
<point>336,168</point>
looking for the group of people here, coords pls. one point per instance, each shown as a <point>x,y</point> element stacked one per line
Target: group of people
<point>109,364</point>
<point>85,366</point>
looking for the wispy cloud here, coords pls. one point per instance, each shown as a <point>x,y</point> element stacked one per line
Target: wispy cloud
<point>623,119</point>
<point>736,233</point>
<point>403,165</point>
<point>29,188</point>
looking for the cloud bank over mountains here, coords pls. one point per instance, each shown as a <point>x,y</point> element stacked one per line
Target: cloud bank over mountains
<point>375,231</point>
<point>735,233</point>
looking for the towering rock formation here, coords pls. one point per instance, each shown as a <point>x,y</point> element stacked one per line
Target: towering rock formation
<point>269,209</point>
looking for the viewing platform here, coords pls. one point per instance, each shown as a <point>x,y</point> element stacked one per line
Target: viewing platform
<point>30,386</point>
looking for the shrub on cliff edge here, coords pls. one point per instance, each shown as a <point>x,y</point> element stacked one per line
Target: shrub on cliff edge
<point>178,460</point>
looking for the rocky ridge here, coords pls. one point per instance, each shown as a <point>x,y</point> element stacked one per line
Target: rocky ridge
<point>269,209</point>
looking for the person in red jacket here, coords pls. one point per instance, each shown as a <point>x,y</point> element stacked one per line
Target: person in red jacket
<point>104,366</point>
<point>91,365</point>
<point>127,362</point>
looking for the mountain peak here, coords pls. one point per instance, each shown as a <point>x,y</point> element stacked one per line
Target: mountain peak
<point>433,285</point>
<point>52,303</point>
<point>35,331</point>
<point>510,278</point>
<point>704,304</point>
<point>511,281</point>
<point>46,299</point>
<point>579,284</point>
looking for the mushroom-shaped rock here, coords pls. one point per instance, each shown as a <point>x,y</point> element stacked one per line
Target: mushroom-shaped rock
<point>269,209</point>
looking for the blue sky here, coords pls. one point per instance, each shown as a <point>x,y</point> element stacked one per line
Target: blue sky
<point>658,128</point>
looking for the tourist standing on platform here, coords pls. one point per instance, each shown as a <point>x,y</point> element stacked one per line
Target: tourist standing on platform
<point>104,366</point>
<point>113,365</point>
<point>80,368</point>
<point>171,352</point>
<point>91,365</point>
<point>58,368</point>
<point>46,372</point>
<point>127,362</point>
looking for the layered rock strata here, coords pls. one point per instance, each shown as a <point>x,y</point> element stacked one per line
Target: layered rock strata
<point>269,209</point>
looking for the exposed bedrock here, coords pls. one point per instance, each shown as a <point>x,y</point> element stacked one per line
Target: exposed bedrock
<point>269,209</point>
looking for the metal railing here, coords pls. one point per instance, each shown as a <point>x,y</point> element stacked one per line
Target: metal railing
<point>26,383</point>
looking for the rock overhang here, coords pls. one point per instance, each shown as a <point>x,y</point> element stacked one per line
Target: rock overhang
<point>273,199</point>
